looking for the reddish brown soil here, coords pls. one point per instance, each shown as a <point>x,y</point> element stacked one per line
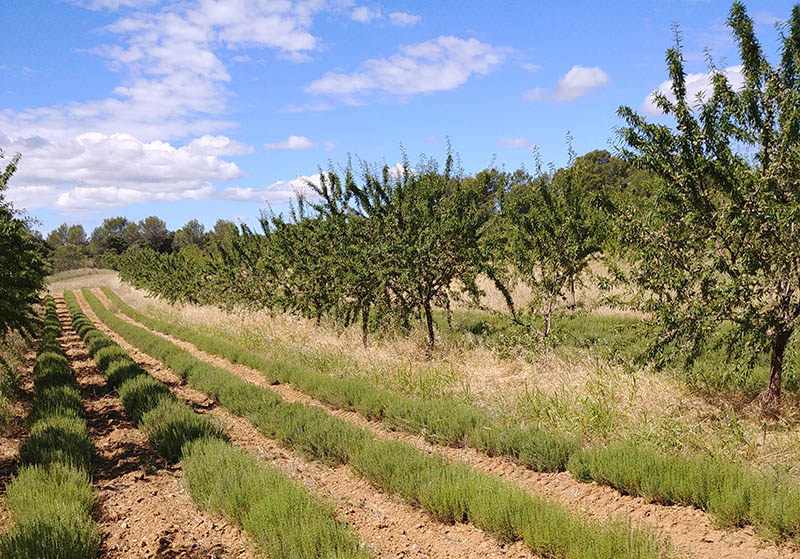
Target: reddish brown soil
<point>142,508</point>
<point>389,527</point>
<point>691,531</point>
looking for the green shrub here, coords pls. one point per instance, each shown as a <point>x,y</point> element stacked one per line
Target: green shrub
<point>36,488</point>
<point>109,354</point>
<point>733,494</point>
<point>171,424</point>
<point>56,400</point>
<point>58,439</point>
<point>62,534</point>
<point>120,371</point>
<point>285,520</point>
<point>141,394</point>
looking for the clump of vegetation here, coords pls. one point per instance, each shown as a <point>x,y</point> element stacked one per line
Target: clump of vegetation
<point>283,518</point>
<point>22,263</point>
<point>50,498</point>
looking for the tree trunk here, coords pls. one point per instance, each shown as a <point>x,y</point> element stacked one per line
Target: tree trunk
<point>429,323</point>
<point>773,394</point>
<point>548,318</point>
<point>572,292</point>
<point>364,323</point>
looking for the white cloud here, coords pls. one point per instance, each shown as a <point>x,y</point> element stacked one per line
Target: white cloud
<point>280,192</point>
<point>403,19</point>
<point>530,67</point>
<point>98,171</point>
<point>116,150</point>
<point>113,4</point>
<point>576,83</point>
<point>441,64</point>
<point>514,142</point>
<point>173,84</point>
<point>364,14</point>
<point>695,84</point>
<point>293,142</point>
<point>307,107</point>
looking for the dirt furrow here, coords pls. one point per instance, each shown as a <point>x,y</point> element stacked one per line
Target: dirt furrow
<point>142,508</point>
<point>390,527</point>
<point>692,531</point>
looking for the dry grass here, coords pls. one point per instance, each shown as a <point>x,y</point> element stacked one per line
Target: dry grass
<point>589,295</point>
<point>581,393</point>
<point>75,279</point>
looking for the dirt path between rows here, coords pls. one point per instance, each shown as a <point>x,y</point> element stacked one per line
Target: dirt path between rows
<point>13,433</point>
<point>389,527</point>
<point>692,531</point>
<point>142,507</point>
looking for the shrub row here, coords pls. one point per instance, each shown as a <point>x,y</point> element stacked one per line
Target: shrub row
<point>451,492</point>
<point>284,519</point>
<point>734,494</point>
<point>442,421</point>
<point>167,422</point>
<point>51,498</point>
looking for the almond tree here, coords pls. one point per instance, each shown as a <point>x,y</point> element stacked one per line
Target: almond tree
<point>717,253</point>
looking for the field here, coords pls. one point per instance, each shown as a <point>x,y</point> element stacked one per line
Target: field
<point>242,434</point>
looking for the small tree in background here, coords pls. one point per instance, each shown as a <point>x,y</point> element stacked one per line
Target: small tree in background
<point>717,253</point>
<point>551,226</point>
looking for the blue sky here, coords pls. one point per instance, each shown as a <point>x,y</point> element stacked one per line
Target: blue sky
<point>211,109</point>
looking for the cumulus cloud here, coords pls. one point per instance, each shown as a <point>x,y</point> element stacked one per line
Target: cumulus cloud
<point>293,142</point>
<point>99,171</point>
<point>514,142</point>
<point>441,64</point>
<point>280,192</point>
<point>364,14</point>
<point>699,83</point>
<point>576,83</point>
<point>173,85</point>
<point>403,19</point>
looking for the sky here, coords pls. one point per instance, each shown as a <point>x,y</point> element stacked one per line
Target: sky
<point>218,109</point>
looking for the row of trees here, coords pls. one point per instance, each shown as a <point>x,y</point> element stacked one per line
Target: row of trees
<point>711,240</point>
<point>385,247</point>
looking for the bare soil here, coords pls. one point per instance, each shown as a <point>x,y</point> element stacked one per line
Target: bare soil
<point>142,507</point>
<point>389,527</point>
<point>692,531</point>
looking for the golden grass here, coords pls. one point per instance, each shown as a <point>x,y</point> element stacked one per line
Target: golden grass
<point>580,393</point>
